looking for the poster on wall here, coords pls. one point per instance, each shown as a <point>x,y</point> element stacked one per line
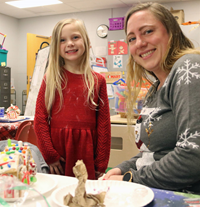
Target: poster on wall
<point>112,48</point>
<point>117,61</point>
<point>122,48</point>
<point>117,47</point>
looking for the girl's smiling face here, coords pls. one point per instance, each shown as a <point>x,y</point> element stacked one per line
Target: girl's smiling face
<point>148,40</point>
<point>72,45</point>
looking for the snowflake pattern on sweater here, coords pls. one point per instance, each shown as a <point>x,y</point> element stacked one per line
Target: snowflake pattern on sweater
<point>168,132</point>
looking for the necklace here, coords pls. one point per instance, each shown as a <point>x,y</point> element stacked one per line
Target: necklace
<point>149,130</point>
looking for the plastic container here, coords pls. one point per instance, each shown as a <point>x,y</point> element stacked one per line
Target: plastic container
<point>120,95</point>
<point>3,57</point>
<point>2,109</point>
<point>116,23</point>
<point>14,193</point>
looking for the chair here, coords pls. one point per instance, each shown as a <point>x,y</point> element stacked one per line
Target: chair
<point>26,133</point>
<point>23,123</point>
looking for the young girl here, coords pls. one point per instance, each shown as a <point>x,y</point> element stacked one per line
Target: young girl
<point>72,118</point>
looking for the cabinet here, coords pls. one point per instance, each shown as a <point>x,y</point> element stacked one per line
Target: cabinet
<point>123,145</point>
<point>5,87</point>
<point>13,96</point>
<point>24,100</point>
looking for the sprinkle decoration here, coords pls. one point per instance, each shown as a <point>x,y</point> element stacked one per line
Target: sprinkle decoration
<point>5,163</point>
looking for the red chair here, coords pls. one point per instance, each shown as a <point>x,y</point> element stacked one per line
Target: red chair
<point>26,133</point>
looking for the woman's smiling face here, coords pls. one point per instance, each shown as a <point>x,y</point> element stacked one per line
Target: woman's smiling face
<point>148,40</point>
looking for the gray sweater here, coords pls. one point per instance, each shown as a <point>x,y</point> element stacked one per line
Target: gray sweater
<point>168,132</point>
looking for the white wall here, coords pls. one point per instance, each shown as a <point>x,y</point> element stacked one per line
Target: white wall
<point>16,31</point>
<point>10,27</point>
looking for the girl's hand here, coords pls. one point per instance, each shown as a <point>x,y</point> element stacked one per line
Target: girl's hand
<point>114,171</point>
<point>56,168</point>
<point>98,174</point>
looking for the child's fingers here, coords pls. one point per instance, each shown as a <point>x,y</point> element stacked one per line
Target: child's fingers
<point>62,159</point>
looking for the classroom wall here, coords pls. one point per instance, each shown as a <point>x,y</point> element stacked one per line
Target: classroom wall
<point>16,30</point>
<point>10,27</point>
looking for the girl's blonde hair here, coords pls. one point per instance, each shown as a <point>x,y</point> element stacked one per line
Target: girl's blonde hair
<point>178,46</point>
<point>55,70</point>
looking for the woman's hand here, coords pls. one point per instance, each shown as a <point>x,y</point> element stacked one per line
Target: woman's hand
<point>110,173</point>
<point>56,167</point>
<point>116,177</point>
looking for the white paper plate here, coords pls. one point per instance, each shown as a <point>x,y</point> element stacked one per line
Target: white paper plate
<point>44,184</point>
<point>118,194</point>
<point>19,118</point>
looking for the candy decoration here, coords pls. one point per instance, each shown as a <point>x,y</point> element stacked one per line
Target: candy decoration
<point>9,143</point>
<point>20,143</point>
<point>33,179</point>
<point>5,159</point>
<point>25,180</point>
<point>4,163</point>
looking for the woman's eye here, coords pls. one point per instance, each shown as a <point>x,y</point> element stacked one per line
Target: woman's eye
<point>148,31</point>
<point>131,39</point>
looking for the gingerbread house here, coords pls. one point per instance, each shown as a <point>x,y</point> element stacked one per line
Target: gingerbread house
<point>16,161</point>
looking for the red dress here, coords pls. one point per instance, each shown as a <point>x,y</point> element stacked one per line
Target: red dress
<point>79,131</point>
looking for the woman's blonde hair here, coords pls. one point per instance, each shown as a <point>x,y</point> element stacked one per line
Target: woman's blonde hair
<point>178,46</point>
<point>55,70</point>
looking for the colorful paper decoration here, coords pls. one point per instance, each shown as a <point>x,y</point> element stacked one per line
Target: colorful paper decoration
<point>117,48</point>
<point>122,48</point>
<point>112,48</point>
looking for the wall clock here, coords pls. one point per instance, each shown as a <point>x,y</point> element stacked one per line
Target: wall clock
<point>102,30</point>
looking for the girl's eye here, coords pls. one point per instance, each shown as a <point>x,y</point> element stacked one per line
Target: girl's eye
<point>76,37</point>
<point>62,40</point>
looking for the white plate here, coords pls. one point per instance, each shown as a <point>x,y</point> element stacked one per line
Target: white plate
<point>19,118</point>
<point>44,184</point>
<point>119,193</point>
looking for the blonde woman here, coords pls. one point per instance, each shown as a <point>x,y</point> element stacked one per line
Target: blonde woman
<point>74,98</point>
<point>167,132</point>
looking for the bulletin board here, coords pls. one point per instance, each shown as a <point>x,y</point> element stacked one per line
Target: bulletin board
<point>38,74</point>
<point>117,59</point>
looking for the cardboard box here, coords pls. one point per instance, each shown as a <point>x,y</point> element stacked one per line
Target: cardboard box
<point>179,15</point>
<point>111,77</point>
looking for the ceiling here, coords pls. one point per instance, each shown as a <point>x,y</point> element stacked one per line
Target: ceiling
<point>69,6</point>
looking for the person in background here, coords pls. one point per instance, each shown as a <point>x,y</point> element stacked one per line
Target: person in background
<point>72,118</point>
<point>167,131</point>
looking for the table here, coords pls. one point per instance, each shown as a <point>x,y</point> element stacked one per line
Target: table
<point>8,130</point>
<point>162,198</point>
<point>116,119</point>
